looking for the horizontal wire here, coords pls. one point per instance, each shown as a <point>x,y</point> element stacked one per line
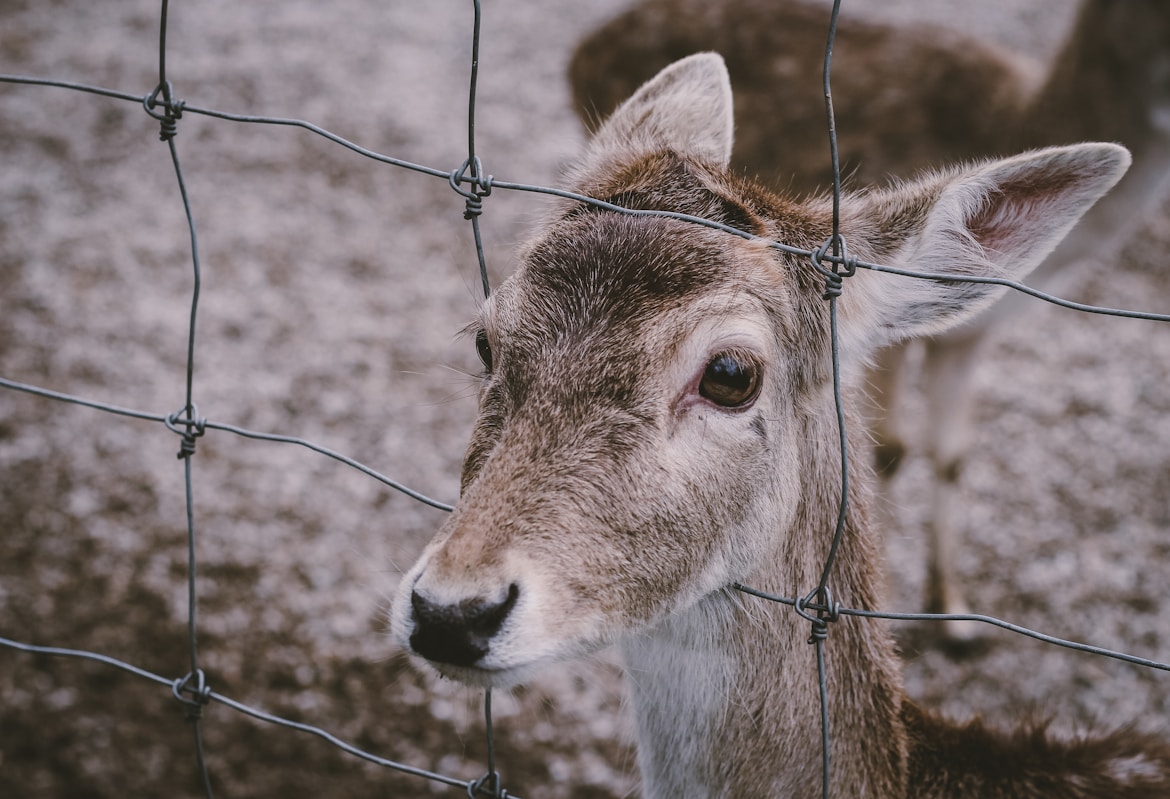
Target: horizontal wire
<point>229,428</point>
<point>224,115</point>
<point>787,248</point>
<point>491,183</point>
<point>991,620</point>
<point>81,654</point>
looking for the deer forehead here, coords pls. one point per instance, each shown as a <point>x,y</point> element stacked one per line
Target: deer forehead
<point>609,292</point>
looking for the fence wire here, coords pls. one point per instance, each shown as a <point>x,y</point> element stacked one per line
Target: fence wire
<point>831,260</point>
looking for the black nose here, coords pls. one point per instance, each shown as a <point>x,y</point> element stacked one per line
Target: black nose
<point>458,634</point>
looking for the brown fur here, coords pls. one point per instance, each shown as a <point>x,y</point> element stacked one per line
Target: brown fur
<point>1031,762</point>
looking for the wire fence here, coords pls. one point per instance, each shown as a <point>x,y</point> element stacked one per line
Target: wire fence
<point>193,690</point>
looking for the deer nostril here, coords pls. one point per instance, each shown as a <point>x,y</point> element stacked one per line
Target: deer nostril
<point>461,633</point>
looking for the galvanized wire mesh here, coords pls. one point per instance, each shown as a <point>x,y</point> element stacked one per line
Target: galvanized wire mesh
<point>194,689</point>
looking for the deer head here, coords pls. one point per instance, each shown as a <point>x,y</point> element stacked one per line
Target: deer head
<point>656,420</point>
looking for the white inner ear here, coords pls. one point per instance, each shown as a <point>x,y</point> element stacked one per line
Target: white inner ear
<point>687,108</point>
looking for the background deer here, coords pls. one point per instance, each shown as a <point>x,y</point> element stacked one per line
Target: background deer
<point>657,424</point>
<point>906,98</point>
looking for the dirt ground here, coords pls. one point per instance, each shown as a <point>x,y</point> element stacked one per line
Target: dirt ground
<point>332,290</point>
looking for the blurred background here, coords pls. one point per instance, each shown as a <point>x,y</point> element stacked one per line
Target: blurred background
<point>333,288</point>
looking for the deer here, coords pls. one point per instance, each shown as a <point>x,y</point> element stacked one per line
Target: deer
<point>657,426</point>
<point>907,98</point>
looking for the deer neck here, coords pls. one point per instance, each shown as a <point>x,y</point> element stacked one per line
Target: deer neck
<point>726,695</point>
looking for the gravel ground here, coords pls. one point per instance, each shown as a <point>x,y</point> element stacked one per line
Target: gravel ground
<point>332,291</point>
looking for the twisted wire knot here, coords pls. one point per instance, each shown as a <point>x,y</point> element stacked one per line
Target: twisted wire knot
<point>833,286</point>
<point>480,186</point>
<point>842,266</point>
<point>200,692</point>
<point>819,601</point>
<point>472,208</point>
<point>189,428</point>
<point>168,129</point>
<point>488,784</point>
<point>173,110</point>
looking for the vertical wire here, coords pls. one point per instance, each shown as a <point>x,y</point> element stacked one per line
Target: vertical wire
<point>471,94</point>
<point>487,714</point>
<point>843,507</point>
<point>472,160</point>
<point>836,243</point>
<point>493,775</point>
<point>823,684</point>
<point>474,166</point>
<point>189,408</point>
<point>192,599</point>
<point>195,708</point>
<point>833,124</point>
<point>162,53</point>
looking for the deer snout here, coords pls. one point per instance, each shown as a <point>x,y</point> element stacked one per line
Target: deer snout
<point>458,634</point>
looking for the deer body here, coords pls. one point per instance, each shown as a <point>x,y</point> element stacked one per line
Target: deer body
<point>657,424</point>
<point>907,98</point>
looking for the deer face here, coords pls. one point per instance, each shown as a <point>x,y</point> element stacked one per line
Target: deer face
<point>636,422</point>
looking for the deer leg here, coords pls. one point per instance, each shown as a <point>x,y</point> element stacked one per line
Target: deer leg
<point>886,384</point>
<point>948,367</point>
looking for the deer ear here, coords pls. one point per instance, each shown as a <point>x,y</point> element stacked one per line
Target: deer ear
<point>686,107</point>
<point>998,219</point>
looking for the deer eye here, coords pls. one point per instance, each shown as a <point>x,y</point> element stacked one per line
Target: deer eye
<point>483,349</point>
<point>730,380</point>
